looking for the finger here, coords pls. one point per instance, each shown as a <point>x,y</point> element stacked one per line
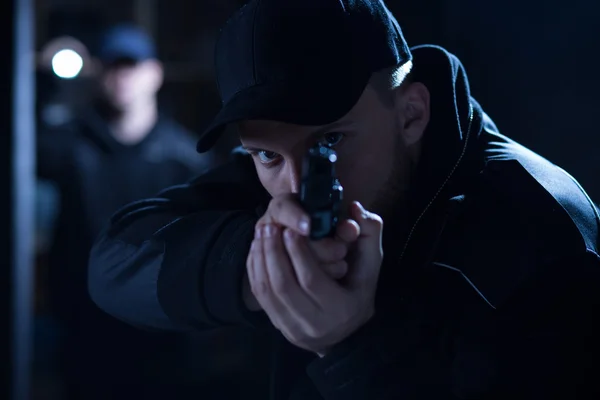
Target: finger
<point>286,211</point>
<point>336,270</point>
<point>249,298</point>
<point>259,282</point>
<point>369,250</point>
<point>250,261</point>
<point>328,250</point>
<point>347,231</point>
<point>331,250</point>
<point>311,278</point>
<point>282,278</point>
<point>370,224</point>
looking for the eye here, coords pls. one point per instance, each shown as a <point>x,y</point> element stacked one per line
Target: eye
<point>332,138</point>
<point>267,157</point>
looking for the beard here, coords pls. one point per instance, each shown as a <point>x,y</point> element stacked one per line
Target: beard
<point>390,200</point>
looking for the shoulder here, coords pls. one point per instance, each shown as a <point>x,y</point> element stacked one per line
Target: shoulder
<point>526,226</point>
<point>540,191</point>
<point>544,197</point>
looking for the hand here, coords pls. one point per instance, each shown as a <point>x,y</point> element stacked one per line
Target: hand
<point>285,212</point>
<point>312,310</point>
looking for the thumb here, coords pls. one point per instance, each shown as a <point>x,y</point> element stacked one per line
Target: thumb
<point>368,250</point>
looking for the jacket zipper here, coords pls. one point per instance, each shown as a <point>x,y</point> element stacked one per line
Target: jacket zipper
<point>462,154</point>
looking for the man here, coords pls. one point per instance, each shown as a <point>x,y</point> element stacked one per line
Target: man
<point>120,151</point>
<point>488,287</point>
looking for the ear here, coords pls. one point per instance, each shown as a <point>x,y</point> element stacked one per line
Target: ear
<point>412,106</point>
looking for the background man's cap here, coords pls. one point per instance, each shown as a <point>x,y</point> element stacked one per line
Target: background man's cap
<point>304,62</point>
<point>125,42</point>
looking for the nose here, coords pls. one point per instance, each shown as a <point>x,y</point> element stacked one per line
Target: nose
<point>294,175</point>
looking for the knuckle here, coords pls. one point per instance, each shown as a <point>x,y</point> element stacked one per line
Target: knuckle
<point>332,251</point>
<point>291,336</point>
<point>259,225</point>
<point>280,286</point>
<point>319,250</point>
<point>265,218</point>
<point>271,210</point>
<point>341,271</point>
<point>255,251</point>
<point>373,221</point>
<point>334,270</point>
<point>328,268</point>
<point>270,244</point>
<point>284,210</point>
<point>340,250</point>
<point>376,220</point>
<point>311,332</point>
<point>274,242</point>
<point>342,268</point>
<point>279,203</point>
<point>260,289</point>
<point>329,243</point>
<point>316,246</point>
<point>308,280</point>
<point>295,242</point>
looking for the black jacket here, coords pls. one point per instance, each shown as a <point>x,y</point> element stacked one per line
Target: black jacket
<point>494,295</point>
<point>95,175</point>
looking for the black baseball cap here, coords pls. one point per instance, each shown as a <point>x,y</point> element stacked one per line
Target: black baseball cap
<point>125,42</point>
<point>303,62</point>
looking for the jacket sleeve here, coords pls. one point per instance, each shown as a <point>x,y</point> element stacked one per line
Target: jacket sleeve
<point>176,262</point>
<point>527,350</point>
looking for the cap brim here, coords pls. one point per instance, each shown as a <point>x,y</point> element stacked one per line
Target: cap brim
<point>302,104</point>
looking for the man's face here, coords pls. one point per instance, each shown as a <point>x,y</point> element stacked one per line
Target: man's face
<point>127,83</point>
<point>373,156</point>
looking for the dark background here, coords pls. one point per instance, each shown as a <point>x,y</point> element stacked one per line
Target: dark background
<point>533,66</point>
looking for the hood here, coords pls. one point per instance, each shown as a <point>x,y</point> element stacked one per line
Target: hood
<point>451,140</point>
<point>451,154</point>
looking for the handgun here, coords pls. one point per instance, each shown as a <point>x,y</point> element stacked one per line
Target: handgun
<point>321,192</point>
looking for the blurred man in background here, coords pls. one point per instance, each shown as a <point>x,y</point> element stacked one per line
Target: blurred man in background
<point>122,149</point>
